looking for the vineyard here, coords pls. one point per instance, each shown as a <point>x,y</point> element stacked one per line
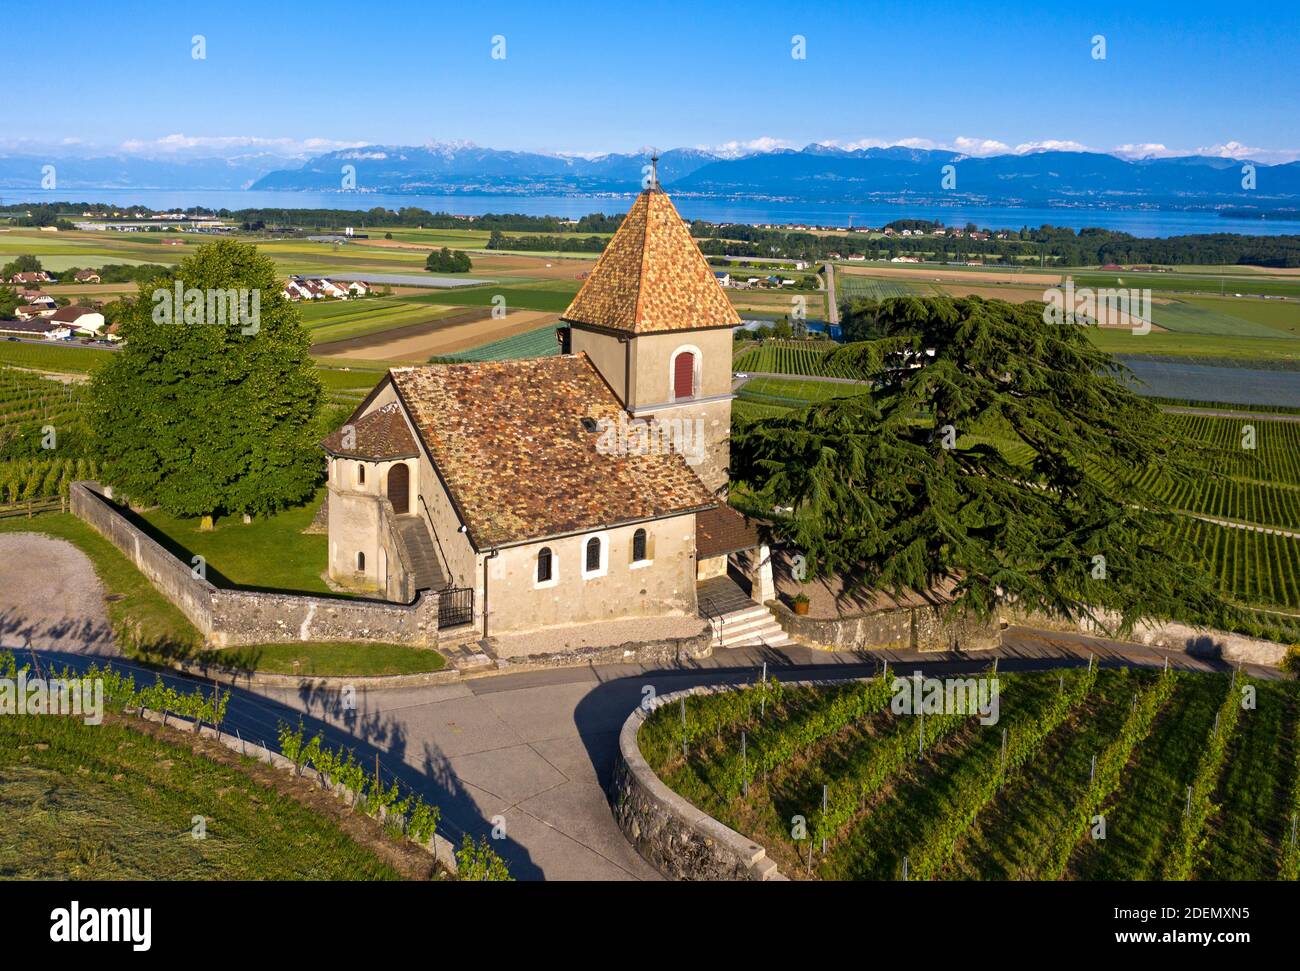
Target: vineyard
<point>1111,775</point>
<point>851,286</point>
<point>44,441</point>
<point>800,358</point>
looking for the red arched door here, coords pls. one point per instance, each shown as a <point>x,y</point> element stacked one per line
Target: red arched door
<point>399,488</point>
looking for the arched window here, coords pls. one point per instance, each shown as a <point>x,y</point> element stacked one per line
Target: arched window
<point>684,375</point>
<point>638,546</point>
<point>544,564</point>
<point>593,555</point>
<point>361,562</point>
<point>361,473</point>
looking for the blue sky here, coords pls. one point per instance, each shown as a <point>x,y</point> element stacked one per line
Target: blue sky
<point>610,76</point>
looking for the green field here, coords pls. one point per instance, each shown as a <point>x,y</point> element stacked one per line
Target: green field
<point>56,357</point>
<point>105,802</point>
<point>853,286</point>
<point>533,343</point>
<point>336,320</point>
<point>792,392</point>
<point>973,806</point>
<point>554,298</point>
<point>1202,283</point>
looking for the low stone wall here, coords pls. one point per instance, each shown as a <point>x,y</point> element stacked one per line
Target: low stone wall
<point>666,653</point>
<point>680,841</point>
<point>914,628</point>
<point>1173,636</point>
<point>234,618</point>
<point>926,629</point>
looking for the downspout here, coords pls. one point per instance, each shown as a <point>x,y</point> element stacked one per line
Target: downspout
<point>491,556</point>
<point>627,373</point>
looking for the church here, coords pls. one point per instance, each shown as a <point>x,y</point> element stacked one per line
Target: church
<point>584,487</point>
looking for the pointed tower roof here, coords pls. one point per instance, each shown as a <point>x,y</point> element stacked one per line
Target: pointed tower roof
<point>652,277</point>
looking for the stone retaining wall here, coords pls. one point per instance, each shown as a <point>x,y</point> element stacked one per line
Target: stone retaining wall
<point>680,841</point>
<point>914,628</point>
<point>234,618</point>
<point>666,653</point>
<point>926,629</point>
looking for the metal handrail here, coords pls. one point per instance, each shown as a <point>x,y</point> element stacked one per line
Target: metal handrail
<point>446,564</point>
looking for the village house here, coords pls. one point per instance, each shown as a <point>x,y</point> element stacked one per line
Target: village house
<point>86,276</point>
<point>31,276</point>
<point>31,311</point>
<point>34,327</point>
<point>37,299</point>
<point>79,319</point>
<point>566,490</point>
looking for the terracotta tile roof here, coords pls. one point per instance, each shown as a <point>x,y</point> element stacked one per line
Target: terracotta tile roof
<point>652,277</point>
<point>508,440</point>
<point>723,530</point>
<point>381,434</point>
<point>70,315</point>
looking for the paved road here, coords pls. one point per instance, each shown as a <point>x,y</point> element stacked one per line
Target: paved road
<point>533,749</point>
<point>832,306</point>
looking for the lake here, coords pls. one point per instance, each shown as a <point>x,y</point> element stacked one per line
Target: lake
<point>1138,222</point>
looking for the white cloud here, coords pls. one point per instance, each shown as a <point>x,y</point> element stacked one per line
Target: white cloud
<point>1051,145</point>
<point>1142,150</point>
<point>179,143</point>
<point>980,146</point>
<point>754,146</point>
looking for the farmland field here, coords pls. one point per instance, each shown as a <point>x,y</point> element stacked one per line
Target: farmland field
<point>854,286</point>
<point>785,357</point>
<point>533,343</point>
<point>1015,799</point>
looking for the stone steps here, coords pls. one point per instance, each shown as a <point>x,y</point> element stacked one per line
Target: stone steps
<point>750,627</point>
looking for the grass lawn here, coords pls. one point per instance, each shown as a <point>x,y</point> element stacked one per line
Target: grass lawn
<point>328,659</point>
<point>271,553</point>
<point>106,802</point>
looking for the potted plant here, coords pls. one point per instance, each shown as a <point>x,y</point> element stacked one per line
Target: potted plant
<point>800,603</point>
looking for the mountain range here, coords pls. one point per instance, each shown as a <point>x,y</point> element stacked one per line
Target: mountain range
<point>816,173</point>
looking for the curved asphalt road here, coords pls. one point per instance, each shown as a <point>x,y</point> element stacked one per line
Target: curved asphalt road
<point>534,750</point>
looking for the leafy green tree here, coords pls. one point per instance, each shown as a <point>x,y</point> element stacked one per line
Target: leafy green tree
<point>447,261</point>
<point>8,301</point>
<point>203,418</point>
<point>22,264</point>
<point>987,459</point>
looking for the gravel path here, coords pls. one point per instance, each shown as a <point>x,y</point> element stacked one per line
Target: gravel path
<point>50,597</point>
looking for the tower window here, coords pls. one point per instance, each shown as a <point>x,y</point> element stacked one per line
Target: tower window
<point>361,562</point>
<point>638,546</point>
<point>361,474</point>
<point>544,564</point>
<point>593,555</point>
<point>684,375</point>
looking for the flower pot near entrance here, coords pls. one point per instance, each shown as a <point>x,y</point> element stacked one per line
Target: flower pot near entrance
<point>800,604</point>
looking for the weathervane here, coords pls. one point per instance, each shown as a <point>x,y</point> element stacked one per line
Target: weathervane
<point>654,169</point>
